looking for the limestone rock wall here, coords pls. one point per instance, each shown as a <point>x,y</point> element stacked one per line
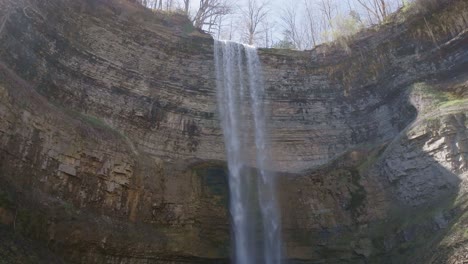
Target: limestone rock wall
<point>152,78</point>
<point>109,132</point>
<point>78,169</point>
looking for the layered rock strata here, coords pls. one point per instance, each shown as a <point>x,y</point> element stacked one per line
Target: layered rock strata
<point>111,148</point>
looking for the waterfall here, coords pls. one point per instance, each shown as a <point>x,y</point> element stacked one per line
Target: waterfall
<point>253,205</point>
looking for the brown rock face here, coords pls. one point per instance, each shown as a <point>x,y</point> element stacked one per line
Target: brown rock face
<point>111,149</point>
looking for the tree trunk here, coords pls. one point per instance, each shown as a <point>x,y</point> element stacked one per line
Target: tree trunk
<point>187,6</point>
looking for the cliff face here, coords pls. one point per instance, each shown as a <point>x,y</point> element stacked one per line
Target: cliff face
<point>111,148</point>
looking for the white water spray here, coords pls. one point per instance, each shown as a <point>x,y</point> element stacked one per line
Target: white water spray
<point>253,205</point>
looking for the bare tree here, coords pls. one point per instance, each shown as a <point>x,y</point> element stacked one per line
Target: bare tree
<point>292,29</point>
<point>305,26</point>
<point>228,28</point>
<point>142,2</point>
<point>328,9</point>
<point>268,28</point>
<point>254,15</point>
<point>210,11</point>
<point>312,31</point>
<point>186,6</point>
<point>377,10</point>
<point>158,4</point>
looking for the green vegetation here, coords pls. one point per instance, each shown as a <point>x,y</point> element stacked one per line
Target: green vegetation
<point>187,28</point>
<point>15,248</point>
<point>345,28</point>
<point>440,98</point>
<point>31,223</point>
<point>371,159</point>
<point>6,201</point>
<point>95,122</point>
<point>418,224</point>
<point>69,208</point>
<point>28,222</point>
<point>454,102</point>
<point>284,44</point>
<point>358,194</point>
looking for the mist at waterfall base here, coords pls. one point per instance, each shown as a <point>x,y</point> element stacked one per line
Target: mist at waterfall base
<point>253,205</point>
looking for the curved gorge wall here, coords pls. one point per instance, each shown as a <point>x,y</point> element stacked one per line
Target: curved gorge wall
<point>109,125</point>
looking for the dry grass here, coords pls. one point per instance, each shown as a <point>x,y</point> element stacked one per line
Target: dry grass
<point>428,6</point>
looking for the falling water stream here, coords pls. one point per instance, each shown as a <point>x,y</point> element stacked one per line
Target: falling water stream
<point>253,205</point>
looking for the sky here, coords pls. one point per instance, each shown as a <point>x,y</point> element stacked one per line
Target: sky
<point>276,6</point>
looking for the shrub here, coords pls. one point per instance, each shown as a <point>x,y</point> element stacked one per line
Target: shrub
<point>284,44</point>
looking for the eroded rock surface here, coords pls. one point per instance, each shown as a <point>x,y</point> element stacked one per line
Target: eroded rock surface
<point>111,149</point>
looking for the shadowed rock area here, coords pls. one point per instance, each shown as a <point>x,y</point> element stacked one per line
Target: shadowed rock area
<point>111,149</point>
